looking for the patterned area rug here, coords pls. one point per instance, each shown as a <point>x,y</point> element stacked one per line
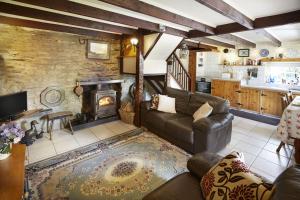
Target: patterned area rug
<point>128,169</point>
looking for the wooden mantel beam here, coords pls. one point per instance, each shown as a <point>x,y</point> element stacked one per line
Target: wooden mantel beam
<point>89,11</point>
<point>148,9</point>
<point>54,27</point>
<point>228,11</point>
<point>53,17</point>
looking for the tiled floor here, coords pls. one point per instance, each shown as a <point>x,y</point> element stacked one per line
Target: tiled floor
<point>64,141</point>
<point>256,140</point>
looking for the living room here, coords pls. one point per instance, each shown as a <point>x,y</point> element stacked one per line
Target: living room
<point>149,99</point>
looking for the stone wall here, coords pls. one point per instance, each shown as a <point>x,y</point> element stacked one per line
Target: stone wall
<point>33,60</point>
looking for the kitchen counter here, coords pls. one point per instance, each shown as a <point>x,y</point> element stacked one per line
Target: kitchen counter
<point>263,86</point>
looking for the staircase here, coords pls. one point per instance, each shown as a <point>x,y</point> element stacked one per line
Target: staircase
<point>162,67</point>
<point>156,81</point>
<point>177,72</point>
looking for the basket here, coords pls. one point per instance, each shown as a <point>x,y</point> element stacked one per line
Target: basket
<point>127,117</point>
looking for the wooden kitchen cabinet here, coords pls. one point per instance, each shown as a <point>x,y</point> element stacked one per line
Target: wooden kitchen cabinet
<point>250,99</point>
<point>227,90</point>
<point>217,88</point>
<point>271,103</point>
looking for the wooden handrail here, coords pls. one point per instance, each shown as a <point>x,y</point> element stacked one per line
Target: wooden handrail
<point>182,65</point>
<point>178,72</point>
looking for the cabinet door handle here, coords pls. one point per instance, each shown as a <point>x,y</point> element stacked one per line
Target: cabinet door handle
<point>238,91</point>
<point>263,108</point>
<point>263,95</point>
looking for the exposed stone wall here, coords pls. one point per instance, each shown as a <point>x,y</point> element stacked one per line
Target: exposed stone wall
<point>33,60</point>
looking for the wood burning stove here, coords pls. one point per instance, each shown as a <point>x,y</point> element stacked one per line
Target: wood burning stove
<point>104,103</point>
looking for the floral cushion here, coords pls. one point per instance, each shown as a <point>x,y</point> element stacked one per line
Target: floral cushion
<point>154,101</point>
<point>231,179</point>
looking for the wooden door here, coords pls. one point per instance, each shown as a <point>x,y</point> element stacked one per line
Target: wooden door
<point>271,103</point>
<point>250,99</point>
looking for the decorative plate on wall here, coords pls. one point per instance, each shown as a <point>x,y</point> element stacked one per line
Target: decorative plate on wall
<point>264,52</point>
<point>52,96</point>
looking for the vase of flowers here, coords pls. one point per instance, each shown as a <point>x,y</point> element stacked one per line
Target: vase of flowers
<point>10,133</point>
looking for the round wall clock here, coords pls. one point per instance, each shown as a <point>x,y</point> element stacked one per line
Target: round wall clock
<point>264,52</point>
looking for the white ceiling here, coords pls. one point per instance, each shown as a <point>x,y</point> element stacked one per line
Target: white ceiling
<point>196,11</point>
<point>191,9</point>
<point>287,33</point>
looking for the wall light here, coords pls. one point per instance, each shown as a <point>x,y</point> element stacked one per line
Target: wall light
<point>134,41</point>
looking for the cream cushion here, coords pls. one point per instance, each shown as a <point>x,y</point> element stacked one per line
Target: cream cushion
<point>166,104</point>
<point>204,111</point>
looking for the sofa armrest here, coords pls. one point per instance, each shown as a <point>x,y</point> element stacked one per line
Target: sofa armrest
<point>201,163</point>
<point>146,105</point>
<point>213,122</point>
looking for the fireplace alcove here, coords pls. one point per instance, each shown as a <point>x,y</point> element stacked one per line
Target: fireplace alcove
<point>100,101</point>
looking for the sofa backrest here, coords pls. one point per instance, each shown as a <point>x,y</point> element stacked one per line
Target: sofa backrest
<point>188,103</point>
<point>219,105</point>
<point>182,99</point>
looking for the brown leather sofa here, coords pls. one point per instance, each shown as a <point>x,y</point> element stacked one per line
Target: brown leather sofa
<point>208,134</point>
<point>187,185</point>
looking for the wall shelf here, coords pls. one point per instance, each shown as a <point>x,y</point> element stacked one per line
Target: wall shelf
<point>280,60</point>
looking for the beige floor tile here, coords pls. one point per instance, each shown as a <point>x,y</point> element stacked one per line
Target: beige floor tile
<point>263,131</point>
<point>263,174</point>
<point>102,132</point>
<point>117,127</point>
<point>285,151</point>
<point>66,145</point>
<point>248,148</point>
<point>250,139</point>
<point>249,158</point>
<point>40,153</point>
<point>224,152</point>
<point>274,158</point>
<point>61,135</point>
<point>85,137</point>
<point>267,167</point>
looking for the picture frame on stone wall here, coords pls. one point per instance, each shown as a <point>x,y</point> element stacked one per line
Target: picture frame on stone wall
<point>98,49</point>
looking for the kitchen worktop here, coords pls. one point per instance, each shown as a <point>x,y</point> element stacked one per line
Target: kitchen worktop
<point>263,86</point>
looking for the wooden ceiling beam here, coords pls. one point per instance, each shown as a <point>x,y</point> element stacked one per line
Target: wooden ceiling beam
<point>148,9</point>
<point>198,45</point>
<point>268,35</point>
<point>214,42</point>
<point>262,22</point>
<point>228,11</point>
<point>49,16</point>
<point>55,27</point>
<point>89,11</point>
<point>277,20</point>
<point>238,40</point>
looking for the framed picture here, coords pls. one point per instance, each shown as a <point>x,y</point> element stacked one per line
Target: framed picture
<point>98,50</point>
<point>243,52</point>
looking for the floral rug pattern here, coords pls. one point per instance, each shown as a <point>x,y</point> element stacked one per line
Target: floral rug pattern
<point>128,169</point>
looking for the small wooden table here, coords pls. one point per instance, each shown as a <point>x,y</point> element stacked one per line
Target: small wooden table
<point>63,116</point>
<point>12,172</point>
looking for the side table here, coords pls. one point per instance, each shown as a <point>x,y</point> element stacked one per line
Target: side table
<point>12,172</point>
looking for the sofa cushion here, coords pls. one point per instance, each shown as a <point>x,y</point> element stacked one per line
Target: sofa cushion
<point>156,120</point>
<point>182,99</point>
<point>183,186</point>
<point>166,104</point>
<point>181,129</point>
<point>196,100</point>
<point>231,178</point>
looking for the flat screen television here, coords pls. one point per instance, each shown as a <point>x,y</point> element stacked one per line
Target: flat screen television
<point>12,104</point>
